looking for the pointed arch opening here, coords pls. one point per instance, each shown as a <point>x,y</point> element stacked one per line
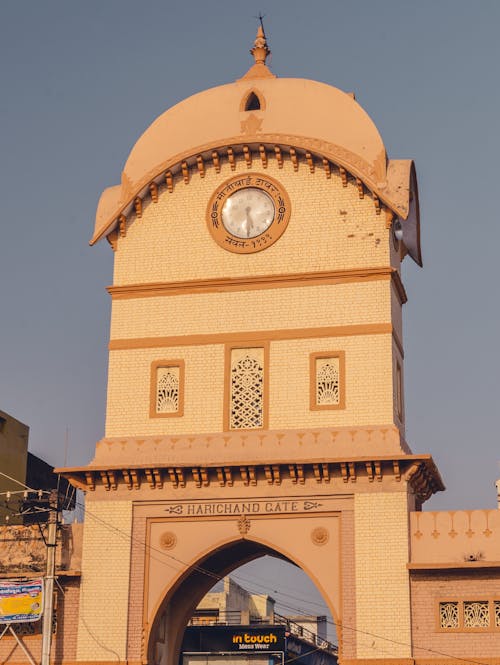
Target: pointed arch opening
<point>253,100</point>
<point>252,103</point>
<point>178,608</point>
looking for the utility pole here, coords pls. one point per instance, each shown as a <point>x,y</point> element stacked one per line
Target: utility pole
<point>48,594</point>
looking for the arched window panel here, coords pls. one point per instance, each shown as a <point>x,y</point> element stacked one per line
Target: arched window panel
<point>327,380</point>
<point>167,388</point>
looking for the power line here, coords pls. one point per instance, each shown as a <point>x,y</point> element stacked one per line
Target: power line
<point>209,573</point>
<point>15,480</point>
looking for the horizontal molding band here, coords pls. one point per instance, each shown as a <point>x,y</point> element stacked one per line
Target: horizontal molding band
<point>378,661</point>
<point>466,657</point>
<point>250,336</point>
<point>225,284</point>
<point>453,565</point>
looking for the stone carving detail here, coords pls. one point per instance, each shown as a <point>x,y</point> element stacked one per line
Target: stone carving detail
<point>168,540</point>
<point>476,614</point>
<point>311,505</point>
<point>251,125</point>
<point>448,615</point>
<point>327,381</point>
<point>320,536</point>
<point>167,390</point>
<point>247,389</point>
<point>244,525</point>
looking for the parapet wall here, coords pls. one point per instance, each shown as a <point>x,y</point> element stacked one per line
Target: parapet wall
<point>455,537</point>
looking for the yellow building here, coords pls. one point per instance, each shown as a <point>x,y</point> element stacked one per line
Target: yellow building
<point>13,464</point>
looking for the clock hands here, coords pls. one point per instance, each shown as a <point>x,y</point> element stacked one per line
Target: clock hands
<point>249,221</point>
<point>242,214</point>
<point>248,212</point>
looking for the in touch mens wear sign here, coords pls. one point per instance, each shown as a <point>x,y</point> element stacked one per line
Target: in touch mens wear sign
<point>234,638</point>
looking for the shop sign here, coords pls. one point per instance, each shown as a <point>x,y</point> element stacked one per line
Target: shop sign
<point>234,638</point>
<point>21,601</point>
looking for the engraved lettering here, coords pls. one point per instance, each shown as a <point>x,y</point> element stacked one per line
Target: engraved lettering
<point>241,507</point>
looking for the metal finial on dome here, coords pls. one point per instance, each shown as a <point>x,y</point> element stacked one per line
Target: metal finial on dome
<point>260,49</point>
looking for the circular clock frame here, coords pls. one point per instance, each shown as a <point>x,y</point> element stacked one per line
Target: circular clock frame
<point>233,243</point>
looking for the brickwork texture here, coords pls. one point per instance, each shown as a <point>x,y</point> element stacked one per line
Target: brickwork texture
<point>104,593</point>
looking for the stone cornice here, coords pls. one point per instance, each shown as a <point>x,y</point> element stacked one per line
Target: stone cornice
<point>418,470</point>
<point>155,289</point>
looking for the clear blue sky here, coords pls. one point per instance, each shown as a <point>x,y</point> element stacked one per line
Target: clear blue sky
<point>80,81</point>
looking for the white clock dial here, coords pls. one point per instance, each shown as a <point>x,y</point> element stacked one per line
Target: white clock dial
<point>248,212</point>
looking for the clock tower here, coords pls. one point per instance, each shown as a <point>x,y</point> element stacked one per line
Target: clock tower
<point>255,391</point>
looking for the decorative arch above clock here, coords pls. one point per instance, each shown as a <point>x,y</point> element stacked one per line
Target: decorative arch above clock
<point>328,158</point>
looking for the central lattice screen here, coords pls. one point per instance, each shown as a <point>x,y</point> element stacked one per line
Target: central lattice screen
<point>247,389</point>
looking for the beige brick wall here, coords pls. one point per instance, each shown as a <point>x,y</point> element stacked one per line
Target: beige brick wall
<point>347,634</point>
<point>259,309</point>
<point>135,637</point>
<point>331,228</point>
<point>368,386</point>
<point>102,621</point>
<point>382,580</point>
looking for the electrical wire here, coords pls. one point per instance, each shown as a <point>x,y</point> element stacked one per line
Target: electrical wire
<point>199,569</point>
<point>15,480</point>
<point>209,573</point>
<point>217,578</point>
<point>81,615</point>
<point>302,655</point>
<point>126,536</point>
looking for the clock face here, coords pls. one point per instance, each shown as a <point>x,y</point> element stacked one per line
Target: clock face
<point>248,212</point>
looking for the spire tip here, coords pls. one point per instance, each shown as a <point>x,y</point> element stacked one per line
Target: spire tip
<point>260,49</point>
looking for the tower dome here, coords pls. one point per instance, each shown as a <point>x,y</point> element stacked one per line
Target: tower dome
<point>262,109</point>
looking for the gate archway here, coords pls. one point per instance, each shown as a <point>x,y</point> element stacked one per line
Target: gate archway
<point>179,598</point>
